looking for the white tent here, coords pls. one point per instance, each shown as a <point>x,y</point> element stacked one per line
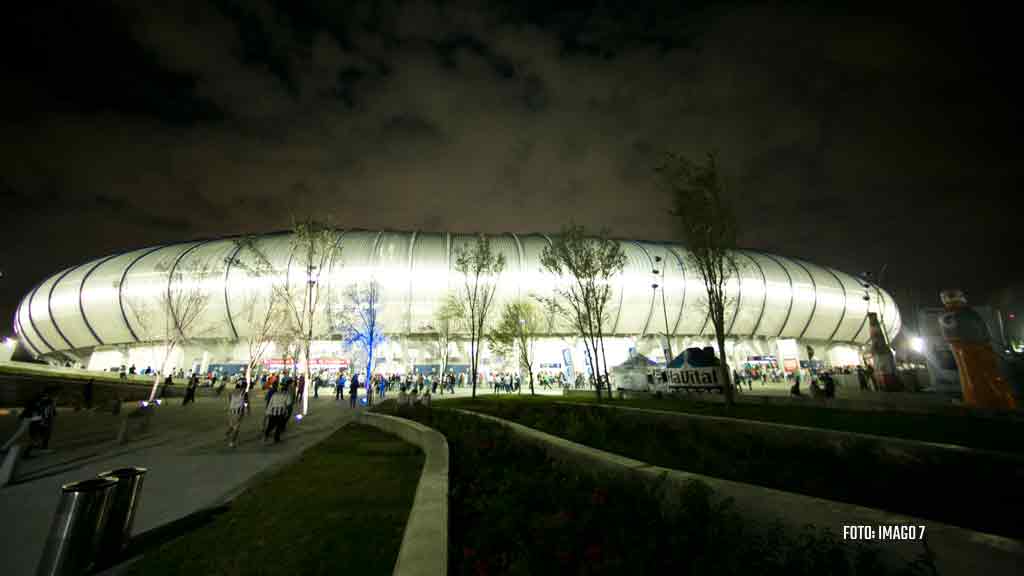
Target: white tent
<point>632,374</point>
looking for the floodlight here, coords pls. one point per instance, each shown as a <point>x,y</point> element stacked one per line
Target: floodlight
<point>917,343</point>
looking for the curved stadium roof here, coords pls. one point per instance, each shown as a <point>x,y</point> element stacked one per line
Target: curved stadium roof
<point>88,305</point>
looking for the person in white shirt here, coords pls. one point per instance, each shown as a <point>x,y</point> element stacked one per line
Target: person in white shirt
<point>236,410</point>
<point>277,413</point>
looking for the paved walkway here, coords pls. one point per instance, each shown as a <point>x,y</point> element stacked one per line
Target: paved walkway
<point>190,468</point>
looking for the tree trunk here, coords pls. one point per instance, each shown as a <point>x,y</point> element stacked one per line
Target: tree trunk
<point>369,365</point>
<point>604,362</point>
<point>473,363</point>
<point>593,367</point>
<point>163,367</point>
<point>730,393</point>
<point>156,385</point>
<point>305,388</point>
<point>532,393</point>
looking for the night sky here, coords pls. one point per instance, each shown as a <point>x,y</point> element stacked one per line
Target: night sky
<point>855,137</point>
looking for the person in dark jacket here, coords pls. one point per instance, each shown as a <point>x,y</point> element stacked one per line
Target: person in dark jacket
<point>40,412</point>
<point>829,384</point>
<point>87,394</point>
<point>353,390</point>
<point>190,390</point>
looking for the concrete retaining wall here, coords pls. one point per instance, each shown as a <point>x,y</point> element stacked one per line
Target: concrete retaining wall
<point>424,550</point>
<point>958,551</point>
<point>791,436</point>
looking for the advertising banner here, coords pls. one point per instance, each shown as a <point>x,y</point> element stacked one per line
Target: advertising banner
<point>273,363</point>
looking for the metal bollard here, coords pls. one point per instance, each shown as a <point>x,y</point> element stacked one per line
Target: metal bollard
<point>74,535</point>
<point>124,501</point>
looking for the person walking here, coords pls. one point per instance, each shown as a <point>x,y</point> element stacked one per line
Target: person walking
<point>795,389</point>
<point>190,390</point>
<point>829,384</point>
<point>339,387</point>
<point>300,390</point>
<point>353,390</point>
<point>168,382</point>
<point>38,418</point>
<point>293,393</point>
<point>369,391</point>
<point>236,410</point>
<point>87,394</point>
<point>277,414</point>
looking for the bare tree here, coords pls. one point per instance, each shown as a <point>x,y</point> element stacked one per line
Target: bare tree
<point>480,268</point>
<point>359,321</point>
<point>266,317</point>
<point>516,334</point>
<point>176,316</point>
<point>314,247</point>
<point>589,265</point>
<point>442,330</point>
<point>707,225</point>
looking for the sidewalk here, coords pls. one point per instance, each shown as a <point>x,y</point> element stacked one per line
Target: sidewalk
<point>190,468</point>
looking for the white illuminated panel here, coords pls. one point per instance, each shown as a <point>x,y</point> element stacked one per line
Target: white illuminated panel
<point>777,296</point>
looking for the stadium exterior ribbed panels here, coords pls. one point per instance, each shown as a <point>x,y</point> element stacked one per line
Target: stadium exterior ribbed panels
<point>86,307</point>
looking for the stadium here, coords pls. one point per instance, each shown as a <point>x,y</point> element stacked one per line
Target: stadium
<point>101,314</point>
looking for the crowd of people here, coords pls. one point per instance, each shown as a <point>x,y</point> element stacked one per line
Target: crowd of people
<point>819,381</point>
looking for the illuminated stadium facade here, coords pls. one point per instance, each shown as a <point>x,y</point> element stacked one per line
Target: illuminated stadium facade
<point>779,305</point>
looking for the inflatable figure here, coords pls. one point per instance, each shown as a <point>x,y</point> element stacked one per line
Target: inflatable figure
<point>981,382</point>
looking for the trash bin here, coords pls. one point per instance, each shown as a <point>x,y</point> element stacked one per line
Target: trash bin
<point>124,501</point>
<point>74,535</point>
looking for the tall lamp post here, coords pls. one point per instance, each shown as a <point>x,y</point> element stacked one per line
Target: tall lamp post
<point>312,277</point>
<point>664,311</point>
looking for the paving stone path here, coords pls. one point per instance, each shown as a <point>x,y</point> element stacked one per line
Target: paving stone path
<point>190,467</point>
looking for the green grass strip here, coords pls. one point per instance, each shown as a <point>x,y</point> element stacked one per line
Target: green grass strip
<point>340,509</point>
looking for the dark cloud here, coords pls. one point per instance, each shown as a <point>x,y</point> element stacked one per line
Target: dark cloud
<point>845,138</point>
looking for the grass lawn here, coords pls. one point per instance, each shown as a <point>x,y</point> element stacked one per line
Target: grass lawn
<point>341,509</point>
<point>959,488</point>
<point>512,510</point>
<point>1002,434</point>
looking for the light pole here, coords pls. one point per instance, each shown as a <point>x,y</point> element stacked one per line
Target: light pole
<point>664,311</point>
<point>312,277</point>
